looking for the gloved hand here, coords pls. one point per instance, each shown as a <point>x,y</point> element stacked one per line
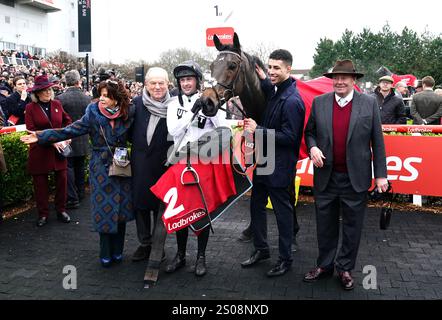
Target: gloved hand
<point>197,106</point>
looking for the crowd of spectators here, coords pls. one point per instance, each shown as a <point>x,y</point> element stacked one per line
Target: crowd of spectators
<point>19,54</point>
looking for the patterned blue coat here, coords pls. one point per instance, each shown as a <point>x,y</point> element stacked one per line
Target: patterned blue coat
<point>111,197</point>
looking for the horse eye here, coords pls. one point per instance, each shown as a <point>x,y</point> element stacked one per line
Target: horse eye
<point>232,65</point>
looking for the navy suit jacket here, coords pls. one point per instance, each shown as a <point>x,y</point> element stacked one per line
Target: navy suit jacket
<point>285,115</point>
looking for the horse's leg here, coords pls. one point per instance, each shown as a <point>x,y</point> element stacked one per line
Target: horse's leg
<point>156,254</point>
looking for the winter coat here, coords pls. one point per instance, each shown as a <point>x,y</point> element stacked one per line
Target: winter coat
<point>45,158</point>
<point>15,106</point>
<point>148,162</point>
<point>391,107</point>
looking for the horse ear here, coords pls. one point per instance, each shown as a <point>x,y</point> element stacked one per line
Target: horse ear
<point>218,43</point>
<point>236,43</point>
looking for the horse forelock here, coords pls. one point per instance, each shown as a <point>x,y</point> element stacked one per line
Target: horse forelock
<point>229,47</point>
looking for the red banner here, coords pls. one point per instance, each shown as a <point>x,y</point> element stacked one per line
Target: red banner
<point>411,129</point>
<point>412,164</point>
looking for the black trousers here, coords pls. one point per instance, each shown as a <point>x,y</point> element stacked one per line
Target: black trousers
<point>248,230</point>
<point>283,209</point>
<point>339,196</point>
<point>203,238</point>
<point>112,244</point>
<point>76,178</point>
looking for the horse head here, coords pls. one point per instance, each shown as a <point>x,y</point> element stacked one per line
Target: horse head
<point>235,75</point>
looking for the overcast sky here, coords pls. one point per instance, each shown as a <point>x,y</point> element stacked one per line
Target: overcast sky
<point>140,29</point>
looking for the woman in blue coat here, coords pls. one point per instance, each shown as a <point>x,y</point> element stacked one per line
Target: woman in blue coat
<point>111,197</point>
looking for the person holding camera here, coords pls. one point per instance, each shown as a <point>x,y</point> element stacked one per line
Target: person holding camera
<point>107,122</point>
<point>180,113</point>
<point>46,113</point>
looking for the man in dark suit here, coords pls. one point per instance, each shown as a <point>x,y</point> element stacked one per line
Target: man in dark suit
<point>343,134</point>
<point>75,102</point>
<point>149,154</point>
<point>426,106</point>
<point>282,126</point>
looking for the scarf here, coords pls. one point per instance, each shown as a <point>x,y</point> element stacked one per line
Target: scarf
<point>157,110</point>
<point>111,116</point>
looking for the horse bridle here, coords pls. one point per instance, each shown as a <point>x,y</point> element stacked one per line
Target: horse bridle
<point>221,101</point>
<point>231,86</point>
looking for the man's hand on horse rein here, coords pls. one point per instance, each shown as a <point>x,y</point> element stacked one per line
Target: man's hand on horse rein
<point>250,125</point>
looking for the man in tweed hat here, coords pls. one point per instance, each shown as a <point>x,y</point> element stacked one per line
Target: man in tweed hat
<point>343,134</point>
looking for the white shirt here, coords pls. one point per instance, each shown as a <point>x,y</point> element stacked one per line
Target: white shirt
<point>179,117</point>
<point>342,102</point>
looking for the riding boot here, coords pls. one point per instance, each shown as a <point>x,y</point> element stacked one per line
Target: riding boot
<point>177,262</point>
<point>200,266</point>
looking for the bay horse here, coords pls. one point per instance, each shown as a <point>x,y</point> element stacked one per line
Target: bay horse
<point>235,75</point>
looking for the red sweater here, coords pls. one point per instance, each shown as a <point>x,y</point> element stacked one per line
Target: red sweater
<point>341,123</point>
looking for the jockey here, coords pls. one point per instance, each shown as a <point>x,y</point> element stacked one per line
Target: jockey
<point>180,114</point>
<point>181,111</point>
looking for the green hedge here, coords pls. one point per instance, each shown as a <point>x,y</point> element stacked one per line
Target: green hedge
<point>16,184</point>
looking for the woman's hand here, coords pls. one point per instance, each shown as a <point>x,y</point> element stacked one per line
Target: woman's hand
<point>30,138</point>
<point>59,146</point>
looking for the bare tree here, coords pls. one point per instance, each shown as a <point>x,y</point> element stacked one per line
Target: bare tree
<point>262,50</point>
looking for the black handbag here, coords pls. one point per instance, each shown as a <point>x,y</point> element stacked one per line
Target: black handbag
<point>386,212</point>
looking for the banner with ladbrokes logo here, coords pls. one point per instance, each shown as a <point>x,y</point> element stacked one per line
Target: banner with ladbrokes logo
<point>413,165</point>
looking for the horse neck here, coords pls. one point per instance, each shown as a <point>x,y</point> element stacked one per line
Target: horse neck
<point>252,97</point>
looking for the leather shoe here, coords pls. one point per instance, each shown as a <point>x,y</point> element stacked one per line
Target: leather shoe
<point>346,280</point>
<point>105,262</point>
<point>200,266</point>
<point>258,255</point>
<point>42,221</point>
<point>142,253</point>
<point>63,217</point>
<point>177,262</point>
<point>279,269</point>
<point>117,258</point>
<point>317,273</point>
